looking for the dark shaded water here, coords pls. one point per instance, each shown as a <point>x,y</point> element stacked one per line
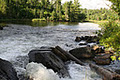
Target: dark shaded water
<point>38,23</point>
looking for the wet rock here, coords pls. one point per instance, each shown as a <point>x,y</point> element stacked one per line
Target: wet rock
<point>1,28</point>
<point>78,39</point>
<point>89,39</point>
<point>117,71</point>
<point>98,49</point>
<point>48,59</point>
<point>82,52</point>
<point>92,39</point>
<point>102,59</point>
<point>7,72</point>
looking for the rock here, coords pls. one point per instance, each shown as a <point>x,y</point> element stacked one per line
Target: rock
<point>82,52</point>
<point>117,71</point>
<point>2,25</point>
<point>50,60</point>
<point>78,39</point>
<point>1,28</point>
<point>102,59</point>
<point>92,39</point>
<point>89,39</point>
<point>7,72</point>
<point>98,49</point>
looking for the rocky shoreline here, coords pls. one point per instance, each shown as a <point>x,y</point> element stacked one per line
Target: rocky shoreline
<point>55,58</point>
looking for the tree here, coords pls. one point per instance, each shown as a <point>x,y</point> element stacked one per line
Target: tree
<point>54,15</point>
<point>116,6</point>
<point>66,10</point>
<point>3,7</point>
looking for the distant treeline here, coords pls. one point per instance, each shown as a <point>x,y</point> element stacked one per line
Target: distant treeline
<point>100,14</point>
<point>42,9</point>
<point>51,10</point>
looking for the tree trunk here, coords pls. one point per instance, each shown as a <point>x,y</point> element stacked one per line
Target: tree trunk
<point>59,54</point>
<point>106,74</point>
<point>67,54</point>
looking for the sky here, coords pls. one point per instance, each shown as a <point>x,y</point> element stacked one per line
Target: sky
<point>93,4</point>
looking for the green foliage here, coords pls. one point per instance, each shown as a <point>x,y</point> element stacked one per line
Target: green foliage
<point>50,10</point>
<point>100,14</point>
<point>116,5</point>
<point>110,37</point>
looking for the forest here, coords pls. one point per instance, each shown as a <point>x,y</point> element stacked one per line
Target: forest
<point>52,10</point>
<point>100,14</point>
<point>43,9</point>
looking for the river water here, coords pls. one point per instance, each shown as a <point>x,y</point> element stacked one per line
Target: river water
<point>17,40</point>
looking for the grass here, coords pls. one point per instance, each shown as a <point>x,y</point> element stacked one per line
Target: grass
<point>98,22</point>
<point>38,19</point>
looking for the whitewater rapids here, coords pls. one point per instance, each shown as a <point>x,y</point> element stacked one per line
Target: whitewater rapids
<point>17,40</point>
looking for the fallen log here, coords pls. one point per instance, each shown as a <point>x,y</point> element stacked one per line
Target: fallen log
<point>104,73</point>
<point>59,54</point>
<point>71,57</point>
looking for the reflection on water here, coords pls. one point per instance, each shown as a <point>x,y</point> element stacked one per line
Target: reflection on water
<point>38,23</point>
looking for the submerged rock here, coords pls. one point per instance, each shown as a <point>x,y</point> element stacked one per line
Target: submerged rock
<point>7,72</point>
<point>50,60</point>
<point>82,52</point>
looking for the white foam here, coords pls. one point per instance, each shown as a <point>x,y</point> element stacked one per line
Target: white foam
<point>39,72</point>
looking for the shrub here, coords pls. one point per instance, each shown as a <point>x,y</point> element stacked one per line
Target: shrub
<point>110,36</point>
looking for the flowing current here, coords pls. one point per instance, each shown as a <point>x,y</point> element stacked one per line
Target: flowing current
<point>17,40</point>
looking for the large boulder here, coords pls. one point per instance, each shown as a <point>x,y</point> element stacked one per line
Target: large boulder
<point>7,72</point>
<point>82,52</point>
<point>48,59</point>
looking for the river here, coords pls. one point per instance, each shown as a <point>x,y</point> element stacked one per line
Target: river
<point>18,39</point>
